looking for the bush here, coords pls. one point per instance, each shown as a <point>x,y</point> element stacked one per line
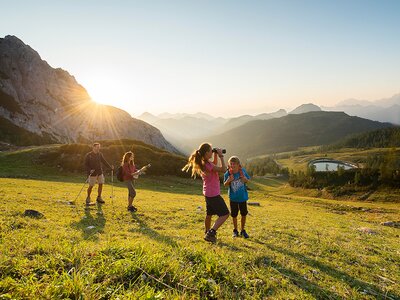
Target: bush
<point>71,157</point>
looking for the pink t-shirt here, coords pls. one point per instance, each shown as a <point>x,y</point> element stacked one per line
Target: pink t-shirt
<point>211,187</point>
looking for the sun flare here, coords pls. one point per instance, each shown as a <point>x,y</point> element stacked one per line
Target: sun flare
<point>106,89</point>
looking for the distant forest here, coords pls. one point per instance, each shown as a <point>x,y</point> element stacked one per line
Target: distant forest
<point>381,138</point>
<point>383,169</point>
<point>378,169</point>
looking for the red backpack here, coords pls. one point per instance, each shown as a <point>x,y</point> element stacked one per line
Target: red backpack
<point>240,171</point>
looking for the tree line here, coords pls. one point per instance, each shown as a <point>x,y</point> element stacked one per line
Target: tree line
<point>264,166</point>
<point>381,138</point>
<point>382,169</point>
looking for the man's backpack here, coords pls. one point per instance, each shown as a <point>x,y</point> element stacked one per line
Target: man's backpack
<point>120,173</point>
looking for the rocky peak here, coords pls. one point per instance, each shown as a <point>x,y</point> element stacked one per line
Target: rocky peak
<point>304,108</point>
<point>50,102</point>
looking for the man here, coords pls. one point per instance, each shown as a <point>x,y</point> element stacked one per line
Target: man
<point>93,164</point>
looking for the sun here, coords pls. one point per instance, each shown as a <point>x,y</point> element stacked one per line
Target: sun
<point>107,89</point>
<point>101,91</point>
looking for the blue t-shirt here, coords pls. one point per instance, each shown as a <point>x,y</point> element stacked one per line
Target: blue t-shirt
<point>237,190</point>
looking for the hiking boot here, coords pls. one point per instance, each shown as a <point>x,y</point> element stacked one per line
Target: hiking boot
<point>132,208</point>
<point>88,203</point>
<point>100,200</point>
<point>211,236</point>
<point>244,234</point>
<point>235,233</point>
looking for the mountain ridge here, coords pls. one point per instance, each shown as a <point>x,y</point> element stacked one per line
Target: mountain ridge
<point>290,132</point>
<point>49,102</point>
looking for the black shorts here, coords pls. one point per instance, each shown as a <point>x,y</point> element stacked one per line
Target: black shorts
<point>236,206</point>
<point>216,206</point>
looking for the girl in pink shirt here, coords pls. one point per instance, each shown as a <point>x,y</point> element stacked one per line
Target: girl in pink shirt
<point>200,164</point>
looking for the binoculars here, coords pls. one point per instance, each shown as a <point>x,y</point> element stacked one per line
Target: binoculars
<point>214,150</point>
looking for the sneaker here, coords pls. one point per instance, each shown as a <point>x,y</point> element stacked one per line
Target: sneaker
<point>132,208</point>
<point>211,236</point>
<point>235,233</point>
<point>100,200</point>
<point>244,234</point>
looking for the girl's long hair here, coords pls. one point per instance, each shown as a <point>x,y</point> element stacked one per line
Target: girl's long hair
<point>196,160</point>
<point>126,158</point>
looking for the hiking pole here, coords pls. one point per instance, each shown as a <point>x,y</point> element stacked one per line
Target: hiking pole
<point>87,180</point>
<point>112,190</point>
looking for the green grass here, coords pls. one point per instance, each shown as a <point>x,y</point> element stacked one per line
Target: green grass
<point>299,247</point>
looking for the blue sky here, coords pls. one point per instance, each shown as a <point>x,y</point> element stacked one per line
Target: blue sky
<point>222,57</point>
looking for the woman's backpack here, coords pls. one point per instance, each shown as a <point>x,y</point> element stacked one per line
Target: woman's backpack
<point>120,173</point>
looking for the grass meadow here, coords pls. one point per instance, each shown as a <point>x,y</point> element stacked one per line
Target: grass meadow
<point>299,247</point>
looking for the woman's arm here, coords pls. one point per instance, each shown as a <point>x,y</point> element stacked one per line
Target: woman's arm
<point>141,171</point>
<point>215,161</point>
<point>222,168</point>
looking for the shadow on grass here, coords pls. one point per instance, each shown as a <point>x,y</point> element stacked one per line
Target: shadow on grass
<point>144,228</point>
<point>90,225</point>
<point>355,283</point>
<point>227,246</point>
<point>297,279</point>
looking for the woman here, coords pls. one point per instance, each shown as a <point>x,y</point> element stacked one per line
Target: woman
<point>130,172</point>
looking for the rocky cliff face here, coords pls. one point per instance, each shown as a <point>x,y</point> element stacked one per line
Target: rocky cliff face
<point>49,102</point>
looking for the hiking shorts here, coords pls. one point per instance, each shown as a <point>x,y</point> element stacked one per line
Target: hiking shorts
<point>131,188</point>
<point>216,206</point>
<point>93,179</point>
<point>236,206</point>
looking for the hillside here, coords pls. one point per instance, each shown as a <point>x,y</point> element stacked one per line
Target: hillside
<point>290,132</point>
<point>49,103</point>
<point>51,160</point>
<point>381,138</point>
<point>238,121</point>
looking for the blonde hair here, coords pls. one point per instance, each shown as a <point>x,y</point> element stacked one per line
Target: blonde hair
<point>126,158</point>
<point>234,159</point>
<point>196,160</point>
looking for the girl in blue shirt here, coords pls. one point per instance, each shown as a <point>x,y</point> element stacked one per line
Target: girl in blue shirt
<point>236,178</point>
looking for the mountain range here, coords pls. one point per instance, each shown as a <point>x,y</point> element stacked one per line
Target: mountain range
<point>50,106</point>
<point>384,110</point>
<point>290,132</point>
<point>40,104</point>
<point>186,130</point>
